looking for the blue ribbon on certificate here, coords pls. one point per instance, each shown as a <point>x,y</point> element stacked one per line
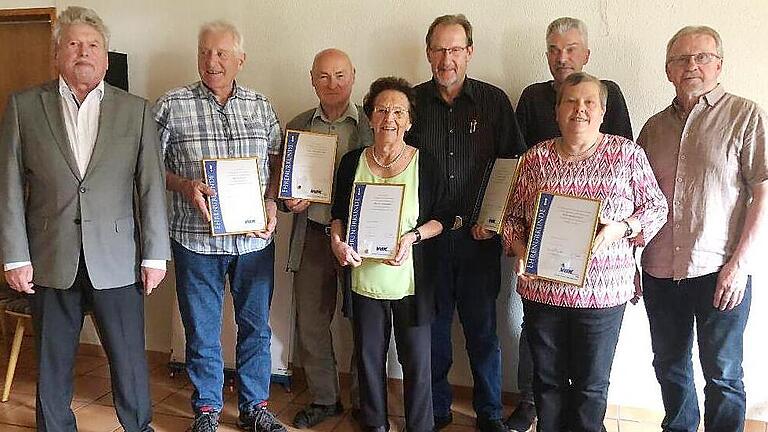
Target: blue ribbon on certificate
<point>542,210</point>
<point>216,219</point>
<point>286,182</point>
<point>354,215</point>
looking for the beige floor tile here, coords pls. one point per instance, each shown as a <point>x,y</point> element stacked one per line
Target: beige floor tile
<point>755,426</point>
<point>12,428</point>
<point>633,426</point>
<point>19,411</point>
<point>611,425</point>
<point>612,412</point>
<point>641,415</point>
<point>96,418</point>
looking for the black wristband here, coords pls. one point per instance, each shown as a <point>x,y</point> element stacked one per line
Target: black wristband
<point>416,232</point>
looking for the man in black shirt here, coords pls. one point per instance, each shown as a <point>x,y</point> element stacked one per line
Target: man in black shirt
<point>567,52</point>
<point>466,124</point>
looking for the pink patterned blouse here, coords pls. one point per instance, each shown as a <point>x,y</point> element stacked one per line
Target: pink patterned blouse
<point>618,173</point>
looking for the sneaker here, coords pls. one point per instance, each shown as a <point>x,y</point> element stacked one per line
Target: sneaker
<point>205,421</point>
<point>259,419</point>
<point>522,417</point>
<point>443,421</point>
<point>491,425</point>
<point>316,413</point>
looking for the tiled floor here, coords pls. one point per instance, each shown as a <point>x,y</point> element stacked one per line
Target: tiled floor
<point>170,396</point>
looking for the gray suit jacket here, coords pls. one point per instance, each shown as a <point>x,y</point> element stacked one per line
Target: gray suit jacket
<point>115,212</point>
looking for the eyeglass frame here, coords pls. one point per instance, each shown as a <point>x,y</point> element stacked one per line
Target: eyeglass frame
<point>698,58</point>
<point>452,51</point>
<point>398,112</point>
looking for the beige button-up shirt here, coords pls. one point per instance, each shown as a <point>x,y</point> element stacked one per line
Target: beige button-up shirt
<point>706,164</point>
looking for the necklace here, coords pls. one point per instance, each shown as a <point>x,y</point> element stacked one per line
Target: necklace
<point>581,153</point>
<point>386,166</point>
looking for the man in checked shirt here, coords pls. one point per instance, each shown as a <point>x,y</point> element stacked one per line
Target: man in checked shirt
<point>217,118</point>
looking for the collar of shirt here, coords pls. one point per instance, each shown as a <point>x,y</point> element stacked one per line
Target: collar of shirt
<point>204,92</point>
<point>467,89</point>
<point>711,99</point>
<point>350,113</point>
<point>66,92</point>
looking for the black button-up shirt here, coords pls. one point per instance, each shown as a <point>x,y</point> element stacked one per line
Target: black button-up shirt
<point>465,137</point>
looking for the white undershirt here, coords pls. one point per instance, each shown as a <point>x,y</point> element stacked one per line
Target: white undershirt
<point>81,120</point>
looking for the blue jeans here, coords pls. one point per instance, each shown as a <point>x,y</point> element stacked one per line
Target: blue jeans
<point>468,281</point>
<point>200,290</point>
<point>673,308</point>
<point>573,350</point>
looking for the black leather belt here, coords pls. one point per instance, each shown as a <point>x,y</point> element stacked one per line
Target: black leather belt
<point>317,226</point>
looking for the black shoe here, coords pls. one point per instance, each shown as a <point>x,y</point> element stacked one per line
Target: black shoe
<point>443,421</point>
<point>488,425</point>
<point>259,419</point>
<point>522,417</point>
<point>315,413</point>
<point>205,421</point>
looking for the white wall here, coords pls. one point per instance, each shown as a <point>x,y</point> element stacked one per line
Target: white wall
<point>627,38</point>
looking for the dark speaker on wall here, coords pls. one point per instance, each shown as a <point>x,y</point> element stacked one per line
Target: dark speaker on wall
<point>117,74</point>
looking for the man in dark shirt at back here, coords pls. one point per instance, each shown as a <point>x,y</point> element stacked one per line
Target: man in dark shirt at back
<point>466,124</point>
<point>567,52</point>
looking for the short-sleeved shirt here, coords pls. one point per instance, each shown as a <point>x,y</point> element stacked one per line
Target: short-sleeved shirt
<point>536,113</point>
<point>465,136</point>
<point>706,163</point>
<point>193,126</point>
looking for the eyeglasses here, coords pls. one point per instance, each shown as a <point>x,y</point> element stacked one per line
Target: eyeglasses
<point>398,112</point>
<point>702,58</point>
<point>447,51</point>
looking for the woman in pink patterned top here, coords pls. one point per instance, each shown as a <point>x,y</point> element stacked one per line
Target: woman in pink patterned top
<point>573,331</point>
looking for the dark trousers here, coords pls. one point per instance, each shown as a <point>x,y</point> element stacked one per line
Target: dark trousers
<point>673,308</point>
<point>468,280</point>
<point>119,315</point>
<point>573,352</point>
<point>373,322</point>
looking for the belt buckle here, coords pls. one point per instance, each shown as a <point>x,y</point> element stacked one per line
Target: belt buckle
<point>457,223</point>
<point>327,230</point>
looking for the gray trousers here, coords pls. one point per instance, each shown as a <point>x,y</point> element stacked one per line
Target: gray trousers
<point>315,291</point>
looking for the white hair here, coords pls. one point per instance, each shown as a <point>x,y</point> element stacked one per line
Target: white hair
<point>80,15</point>
<point>222,26</point>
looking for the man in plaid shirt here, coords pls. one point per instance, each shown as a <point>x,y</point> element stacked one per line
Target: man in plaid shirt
<point>211,119</point>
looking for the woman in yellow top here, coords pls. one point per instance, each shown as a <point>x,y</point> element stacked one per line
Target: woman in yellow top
<point>397,292</point>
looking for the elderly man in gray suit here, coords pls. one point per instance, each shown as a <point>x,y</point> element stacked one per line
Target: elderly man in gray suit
<point>84,224</point>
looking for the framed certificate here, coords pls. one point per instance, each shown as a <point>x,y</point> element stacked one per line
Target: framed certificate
<point>373,230</point>
<point>308,163</point>
<point>238,205</point>
<point>562,234</point>
<point>496,195</point>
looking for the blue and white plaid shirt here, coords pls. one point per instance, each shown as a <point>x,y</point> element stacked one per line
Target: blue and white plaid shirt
<point>193,126</point>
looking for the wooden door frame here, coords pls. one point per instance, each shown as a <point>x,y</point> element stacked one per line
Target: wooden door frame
<point>45,14</point>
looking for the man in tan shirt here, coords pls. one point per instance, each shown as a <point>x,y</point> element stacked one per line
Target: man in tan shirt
<point>708,151</point>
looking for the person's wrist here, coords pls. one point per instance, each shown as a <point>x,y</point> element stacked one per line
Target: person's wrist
<point>416,235</point>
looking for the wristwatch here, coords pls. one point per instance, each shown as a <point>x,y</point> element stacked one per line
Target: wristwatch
<point>416,232</point>
<point>628,231</point>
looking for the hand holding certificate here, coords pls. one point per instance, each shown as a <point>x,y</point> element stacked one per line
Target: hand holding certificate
<point>308,162</point>
<point>560,243</point>
<point>373,230</point>
<point>496,195</point>
<point>237,205</point>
